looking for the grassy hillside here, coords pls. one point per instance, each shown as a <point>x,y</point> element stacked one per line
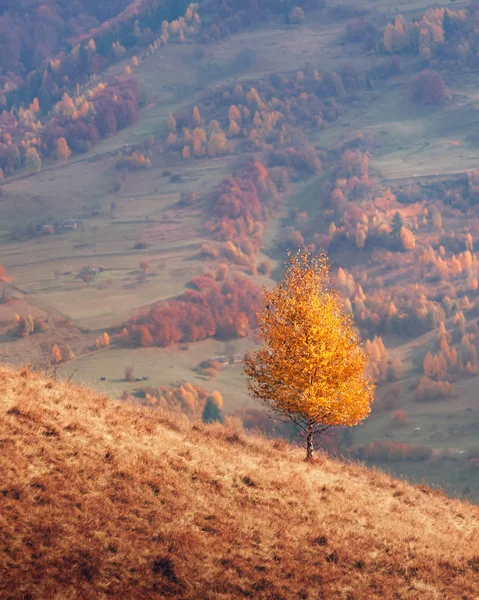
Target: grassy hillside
<point>104,499</point>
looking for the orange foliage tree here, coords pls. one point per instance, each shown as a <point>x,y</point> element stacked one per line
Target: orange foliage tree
<point>103,341</point>
<point>63,151</point>
<point>55,356</point>
<point>428,87</point>
<point>209,308</point>
<point>311,369</point>
<point>399,417</point>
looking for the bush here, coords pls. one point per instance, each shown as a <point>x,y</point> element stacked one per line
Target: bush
<point>296,15</point>
<point>129,374</point>
<point>27,325</point>
<point>399,418</point>
<point>135,161</point>
<point>429,390</point>
<point>428,88</point>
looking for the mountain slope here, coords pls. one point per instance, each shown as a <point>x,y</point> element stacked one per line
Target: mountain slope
<point>103,499</point>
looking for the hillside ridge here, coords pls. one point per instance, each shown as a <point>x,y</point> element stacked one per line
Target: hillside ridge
<point>105,499</point>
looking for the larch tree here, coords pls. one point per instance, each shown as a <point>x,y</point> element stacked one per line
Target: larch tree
<point>311,369</point>
<point>234,114</point>
<point>63,151</point>
<point>234,128</point>
<point>407,239</point>
<point>55,356</point>
<point>469,242</point>
<point>33,162</point>
<point>196,118</point>
<point>171,123</point>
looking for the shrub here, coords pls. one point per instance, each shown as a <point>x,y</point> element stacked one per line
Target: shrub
<point>129,374</point>
<point>399,418</point>
<point>133,162</point>
<point>428,88</point>
<point>429,390</point>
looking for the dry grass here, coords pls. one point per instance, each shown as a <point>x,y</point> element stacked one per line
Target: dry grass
<point>103,499</point>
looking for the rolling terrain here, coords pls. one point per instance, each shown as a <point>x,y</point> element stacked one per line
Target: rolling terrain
<point>101,499</point>
<point>156,216</point>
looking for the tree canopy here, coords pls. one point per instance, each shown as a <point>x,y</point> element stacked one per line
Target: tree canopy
<point>311,369</point>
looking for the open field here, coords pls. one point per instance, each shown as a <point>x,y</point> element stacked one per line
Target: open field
<point>278,49</point>
<point>450,423</point>
<point>164,366</point>
<point>144,210</point>
<point>412,141</point>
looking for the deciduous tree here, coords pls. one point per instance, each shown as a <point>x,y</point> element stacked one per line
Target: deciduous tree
<point>63,151</point>
<point>33,162</point>
<point>196,118</point>
<point>296,15</point>
<point>407,239</point>
<point>55,356</point>
<point>171,123</point>
<point>234,114</point>
<point>428,87</point>
<point>311,369</point>
<point>129,374</point>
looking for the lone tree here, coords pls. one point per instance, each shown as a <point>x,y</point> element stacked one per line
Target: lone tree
<point>428,88</point>
<point>212,410</point>
<point>396,225</point>
<point>311,369</point>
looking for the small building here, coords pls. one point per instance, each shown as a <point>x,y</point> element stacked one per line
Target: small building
<point>69,224</point>
<point>47,229</point>
<point>91,270</point>
<point>223,361</point>
<point>237,359</point>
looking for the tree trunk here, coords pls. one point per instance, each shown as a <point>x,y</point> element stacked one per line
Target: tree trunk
<point>309,443</point>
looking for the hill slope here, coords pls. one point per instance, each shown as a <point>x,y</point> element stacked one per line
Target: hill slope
<point>102,499</point>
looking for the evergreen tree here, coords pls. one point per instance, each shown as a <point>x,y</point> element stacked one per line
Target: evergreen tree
<point>447,25</point>
<point>396,225</point>
<point>211,412</point>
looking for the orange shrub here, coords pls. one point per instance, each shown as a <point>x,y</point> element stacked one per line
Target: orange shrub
<point>399,418</point>
<point>429,390</point>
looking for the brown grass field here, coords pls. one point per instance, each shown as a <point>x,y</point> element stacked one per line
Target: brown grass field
<point>101,499</point>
